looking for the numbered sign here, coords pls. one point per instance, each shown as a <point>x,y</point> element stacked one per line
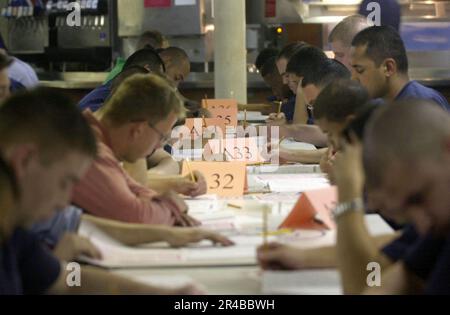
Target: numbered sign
<point>197,127</point>
<point>313,210</point>
<point>223,108</point>
<point>236,149</point>
<point>225,179</point>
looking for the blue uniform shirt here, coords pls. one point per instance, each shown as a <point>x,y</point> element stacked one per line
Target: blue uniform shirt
<point>288,108</point>
<point>429,259</point>
<point>26,267</point>
<point>96,98</point>
<point>65,221</point>
<point>398,248</point>
<point>15,86</point>
<point>416,90</point>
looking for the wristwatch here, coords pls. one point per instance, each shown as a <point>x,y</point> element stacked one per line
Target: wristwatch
<point>342,208</point>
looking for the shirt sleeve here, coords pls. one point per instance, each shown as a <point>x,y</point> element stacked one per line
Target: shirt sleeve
<point>107,191</point>
<point>39,269</point>
<point>422,256</point>
<point>397,249</point>
<point>51,231</point>
<point>439,280</point>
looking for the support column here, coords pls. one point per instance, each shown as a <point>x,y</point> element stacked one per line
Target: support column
<point>230,56</point>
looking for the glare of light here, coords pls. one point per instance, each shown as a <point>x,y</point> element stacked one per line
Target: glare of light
<point>209,28</point>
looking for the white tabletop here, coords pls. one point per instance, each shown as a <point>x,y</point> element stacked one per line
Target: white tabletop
<point>250,280</point>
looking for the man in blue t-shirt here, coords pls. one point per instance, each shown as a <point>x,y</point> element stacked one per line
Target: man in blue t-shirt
<point>406,161</point>
<point>147,59</point>
<point>380,63</point>
<point>280,91</point>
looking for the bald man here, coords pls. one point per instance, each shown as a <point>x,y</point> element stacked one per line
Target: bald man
<point>177,64</point>
<point>412,181</point>
<point>340,38</point>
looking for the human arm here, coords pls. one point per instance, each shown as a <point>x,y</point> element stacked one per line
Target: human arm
<point>134,234</point>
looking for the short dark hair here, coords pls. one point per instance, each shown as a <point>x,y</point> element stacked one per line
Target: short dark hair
<point>264,55</point>
<point>315,67</point>
<point>290,49</point>
<point>269,67</point>
<point>153,39</point>
<point>124,74</point>
<point>383,42</point>
<point>332,71</point>
<point>339,100</point>
<point>49,119</point>
<point>307,59</point>
<point>5,62</point>
<point>362,116</point>
<point>146,56</point>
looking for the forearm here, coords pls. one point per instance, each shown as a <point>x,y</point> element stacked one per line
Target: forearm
<point>137,170</point>
<point>397,280</point>
<point>356,248</point>
<point>326,257</point>
<point>305,156</point>
<point>130,233</point>
<point>162,163</point>
<point>161,184</point>
<point>300,112</point>
<point>304,133</point>
<point>98,281</point>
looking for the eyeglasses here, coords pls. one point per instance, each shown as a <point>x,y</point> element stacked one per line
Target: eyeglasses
<point>162,137</point>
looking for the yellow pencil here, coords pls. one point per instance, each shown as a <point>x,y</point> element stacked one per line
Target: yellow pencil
<point>206,101</point>
<point>204,121</point>
<point>279,108</point>
<point>234,206</point>
<point>190,170</point>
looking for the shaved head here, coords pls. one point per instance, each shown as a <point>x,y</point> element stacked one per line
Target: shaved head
<point>408,131</point>
<point>177,64</point>
<point>407,164</point>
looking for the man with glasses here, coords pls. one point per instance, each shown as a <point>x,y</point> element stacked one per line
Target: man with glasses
<point>133,123</point>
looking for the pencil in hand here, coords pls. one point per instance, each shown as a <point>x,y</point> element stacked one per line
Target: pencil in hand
<point>190,171</point>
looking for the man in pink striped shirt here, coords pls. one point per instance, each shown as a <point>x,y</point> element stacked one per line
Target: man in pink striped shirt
<point>134,122</point>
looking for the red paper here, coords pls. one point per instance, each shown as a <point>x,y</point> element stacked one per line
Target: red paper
<point>157,3</point>
<point>271,8</point>
<point>311,204</point>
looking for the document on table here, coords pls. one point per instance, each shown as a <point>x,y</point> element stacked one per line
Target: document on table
<point>294,182</point>
<point>290,144</point>
<point>284,169</point>
<point>117,255</point>
<point>191,154</point>
<point>165,281</point>
<point>252,116</point>
<point>313,282</point>
<point>212,213</point>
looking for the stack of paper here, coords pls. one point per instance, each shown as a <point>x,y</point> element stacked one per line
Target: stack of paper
<point>294,182</point>
<point>301,282</point>
<point>252,116</point>
<point>284,169</point>
<point>290,144</point>
<point>117,255</point>
<point>212,213</point>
